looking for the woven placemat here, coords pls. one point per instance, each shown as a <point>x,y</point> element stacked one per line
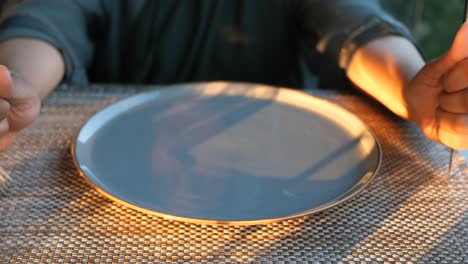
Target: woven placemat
<point>412,212</point>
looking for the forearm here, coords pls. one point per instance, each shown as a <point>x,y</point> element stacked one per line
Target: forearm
<point>383,67</point>
<point>35,61</point>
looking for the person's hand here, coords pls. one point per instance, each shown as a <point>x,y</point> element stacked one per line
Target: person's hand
<point>19,106</point>
<point>437,98</point>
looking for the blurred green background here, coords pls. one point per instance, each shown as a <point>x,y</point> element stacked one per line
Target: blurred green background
<point>433,23</point>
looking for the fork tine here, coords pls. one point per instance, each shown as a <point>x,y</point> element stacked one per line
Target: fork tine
<point>4,174</point>
<point>4,181</point>
<point>3,188</point>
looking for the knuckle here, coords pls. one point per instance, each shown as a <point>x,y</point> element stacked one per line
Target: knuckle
<point>456,78</point>
<point>444,102</point>
<point>4,109</point>
<point>22,115</point>
<point>446,82</point>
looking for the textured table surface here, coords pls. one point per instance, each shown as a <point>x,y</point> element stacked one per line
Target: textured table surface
<point>411,212</point>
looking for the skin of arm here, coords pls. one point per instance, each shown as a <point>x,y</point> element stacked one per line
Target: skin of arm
<point>383,68</point>
<point>432,95</point>
<point>30,69</point>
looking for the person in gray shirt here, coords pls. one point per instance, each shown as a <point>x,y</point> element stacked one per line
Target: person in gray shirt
<point>45,43</point>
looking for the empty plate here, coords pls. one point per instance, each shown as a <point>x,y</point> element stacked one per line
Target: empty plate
<point>226,153</point>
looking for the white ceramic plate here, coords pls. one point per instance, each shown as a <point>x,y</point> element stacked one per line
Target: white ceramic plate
<point>226,153</point>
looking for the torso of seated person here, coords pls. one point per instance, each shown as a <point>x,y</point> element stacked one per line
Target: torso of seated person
<point>174,41</point>
<point>188,41</point>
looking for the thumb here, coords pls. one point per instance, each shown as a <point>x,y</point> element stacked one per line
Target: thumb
<point>457,52</point>
<point>6,83</point>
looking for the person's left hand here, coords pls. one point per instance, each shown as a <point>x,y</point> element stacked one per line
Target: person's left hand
<point>19,106</point>
<point>437,98</point>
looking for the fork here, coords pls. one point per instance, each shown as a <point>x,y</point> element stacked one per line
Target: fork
<point>5,181</point>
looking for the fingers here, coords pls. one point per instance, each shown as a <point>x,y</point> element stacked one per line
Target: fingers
<point>13,86</point>
<point>455,141</point>
<point>453,129</point>
<point>19,106</point>
<point>24,113</point>
<point>23,101</point>
<point>456,103</point>
<point>6,83</point>
<point>455,123</point>
<point>4,127</point>
<point>456,78</point>
<point>455,54</point>
<point>452,114</point>
<point>4,109</point>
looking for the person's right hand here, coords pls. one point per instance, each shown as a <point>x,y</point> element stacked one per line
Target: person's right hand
<point>437,97</point>
<point>19,105</point>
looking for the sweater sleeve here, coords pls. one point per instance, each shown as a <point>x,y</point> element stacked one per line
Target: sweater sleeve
<point>342,26</point>
<point>71,26</point>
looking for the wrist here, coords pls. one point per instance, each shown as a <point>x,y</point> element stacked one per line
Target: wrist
<point>384,69</point>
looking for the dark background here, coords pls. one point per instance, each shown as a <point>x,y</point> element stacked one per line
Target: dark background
<point>433,23</point>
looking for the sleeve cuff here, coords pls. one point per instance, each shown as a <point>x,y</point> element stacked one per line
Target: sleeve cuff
<point>372,28</point>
